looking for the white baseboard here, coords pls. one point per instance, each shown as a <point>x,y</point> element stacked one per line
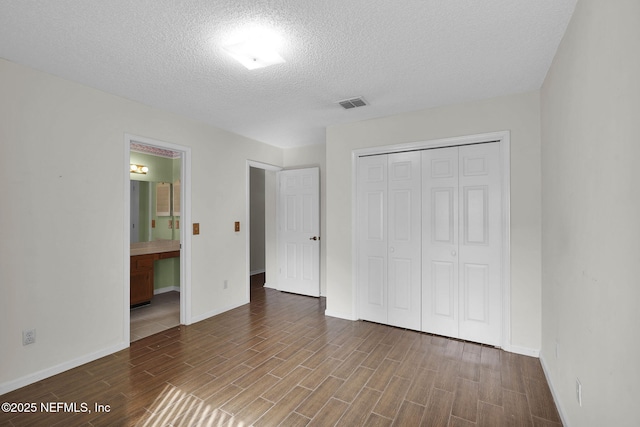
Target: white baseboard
<point>204,316</point>
<point>166,289</point>
<point>55,370</point>
<point>339,315</point>
<point>532,352</point>
<point>563,418</point>
<point>260,271</point>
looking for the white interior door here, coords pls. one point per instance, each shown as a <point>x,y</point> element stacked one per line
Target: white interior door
<point>298,231</point>
<point>462,238</point>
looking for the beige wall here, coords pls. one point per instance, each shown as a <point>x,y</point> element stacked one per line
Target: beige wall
<point>520,115</point>
<point>310,156</point>
<point>591,210</point>
<point>62,217</point>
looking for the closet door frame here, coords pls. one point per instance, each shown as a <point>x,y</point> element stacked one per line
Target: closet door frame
<point>503,138</point>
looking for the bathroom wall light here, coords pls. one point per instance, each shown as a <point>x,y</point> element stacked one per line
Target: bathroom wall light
<point>257,49</point>
<point>138,169</point>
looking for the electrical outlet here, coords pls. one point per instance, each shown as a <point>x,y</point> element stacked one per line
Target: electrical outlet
<point>28,336</point>
<point>226,285</point>
<point>579,392</point>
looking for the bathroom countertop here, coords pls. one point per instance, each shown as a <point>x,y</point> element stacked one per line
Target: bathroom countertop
<point>154,247</point>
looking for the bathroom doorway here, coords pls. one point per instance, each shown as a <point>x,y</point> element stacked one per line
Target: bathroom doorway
<point>157,253</point>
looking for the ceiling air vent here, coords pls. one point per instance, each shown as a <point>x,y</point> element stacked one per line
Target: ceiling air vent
<point>353,103</point>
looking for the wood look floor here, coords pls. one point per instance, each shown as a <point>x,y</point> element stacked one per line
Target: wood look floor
<point>280,361</point>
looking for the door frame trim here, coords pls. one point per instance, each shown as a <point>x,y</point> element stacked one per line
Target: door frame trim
<point>504,141</point>
<point>185,236</point>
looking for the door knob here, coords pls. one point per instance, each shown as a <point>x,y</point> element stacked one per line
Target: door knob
<point>453,253</point>
<point>314,238</point>
<point>392,249</point>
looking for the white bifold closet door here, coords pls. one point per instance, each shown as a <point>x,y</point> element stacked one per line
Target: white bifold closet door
<point>462,243</point>
<point>389,239</point>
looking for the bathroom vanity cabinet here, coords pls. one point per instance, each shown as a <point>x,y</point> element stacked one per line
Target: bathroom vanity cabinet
<point>141,273</point>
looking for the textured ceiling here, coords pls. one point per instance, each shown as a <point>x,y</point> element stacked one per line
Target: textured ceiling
<point>400,55</point>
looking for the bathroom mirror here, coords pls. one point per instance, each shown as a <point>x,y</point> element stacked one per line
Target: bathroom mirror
<point>153,217</point>
<point>155,199</point>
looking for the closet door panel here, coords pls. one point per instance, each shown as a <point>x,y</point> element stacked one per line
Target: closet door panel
<point>480,244</point>
<point>475,292</point>
<point>372,238</point>
<point>475,211</point>
<point>442,222</point>
<point>442,297</point>
<point>400,295</point>
<point>404,235</point>
<point>375,283</point>
<point>440,241</point>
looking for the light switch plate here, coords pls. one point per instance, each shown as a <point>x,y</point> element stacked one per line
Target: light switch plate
<point>196,228</point>
<point>237,226</point>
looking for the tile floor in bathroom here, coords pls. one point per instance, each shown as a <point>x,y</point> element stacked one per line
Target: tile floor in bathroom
<point>163,313</point>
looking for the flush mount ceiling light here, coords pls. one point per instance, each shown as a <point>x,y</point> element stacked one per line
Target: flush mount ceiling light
<point>256,49</point>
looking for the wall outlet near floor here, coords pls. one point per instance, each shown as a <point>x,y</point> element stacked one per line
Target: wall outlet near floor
<point>226,285</point>
<point>579,392</point>
<point>28,336</point>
